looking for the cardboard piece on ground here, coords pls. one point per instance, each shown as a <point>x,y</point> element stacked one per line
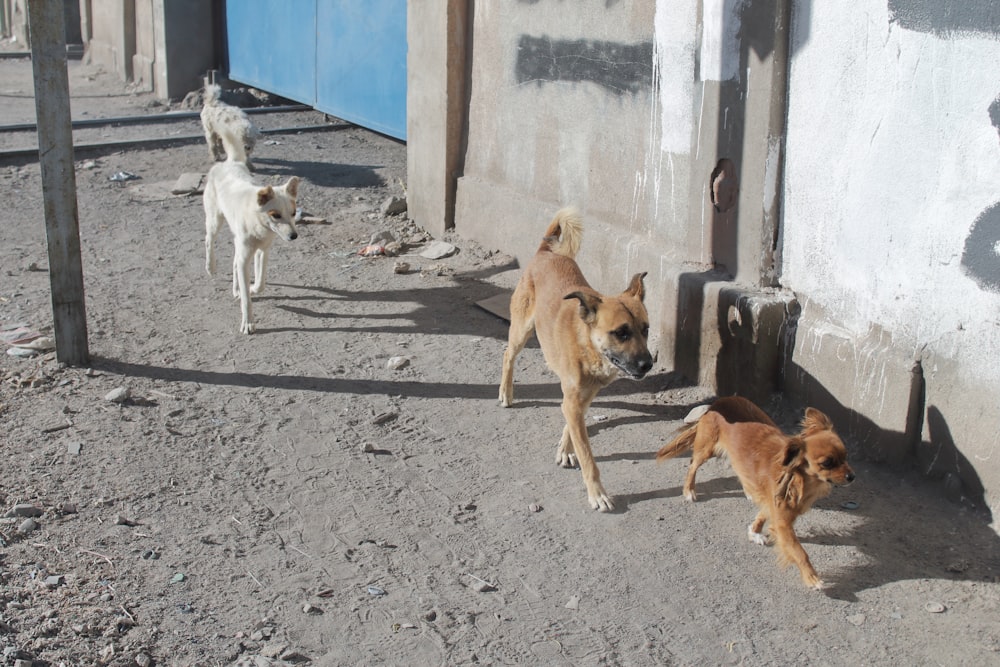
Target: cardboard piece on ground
<point>189,183</point>
<point>498,305</point>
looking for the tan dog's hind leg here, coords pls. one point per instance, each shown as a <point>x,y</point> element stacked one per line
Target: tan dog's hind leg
<point>574,407</point>
<point>522,324</point>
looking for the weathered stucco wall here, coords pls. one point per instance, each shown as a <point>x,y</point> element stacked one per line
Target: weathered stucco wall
<point>891,228</point>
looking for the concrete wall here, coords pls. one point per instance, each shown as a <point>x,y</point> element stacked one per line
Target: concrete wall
<point>160,45</point>
<point>892,224</point>
<point>811,187</point>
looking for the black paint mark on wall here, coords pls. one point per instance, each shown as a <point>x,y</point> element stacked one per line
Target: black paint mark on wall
<point>621,68</point>
<point>947,17</point>
<point>981,257</point>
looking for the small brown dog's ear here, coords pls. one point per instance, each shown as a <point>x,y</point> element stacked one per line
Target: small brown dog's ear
<point>265,195</point>
<point>791,488</point>
<point>588,305</point>
<point>815,421</point>
<point>292,186</point>
<point>794,454</point>
<point>635,287</point>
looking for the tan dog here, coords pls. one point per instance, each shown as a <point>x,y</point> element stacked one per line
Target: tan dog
<point>784,475</point>
<point>256,215</point>
<point>587,338</point>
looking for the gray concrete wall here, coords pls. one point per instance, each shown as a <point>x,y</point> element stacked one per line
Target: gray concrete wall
<point>160,45</point>
<point>846,254</point>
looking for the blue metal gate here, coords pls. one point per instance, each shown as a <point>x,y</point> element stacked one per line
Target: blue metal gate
<point>346,58</point>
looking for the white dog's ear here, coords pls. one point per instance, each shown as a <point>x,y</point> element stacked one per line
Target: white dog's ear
<point>265,195</point>
<point>292,186</point>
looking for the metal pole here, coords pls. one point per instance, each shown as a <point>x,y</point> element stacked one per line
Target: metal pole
<point>55,156</point>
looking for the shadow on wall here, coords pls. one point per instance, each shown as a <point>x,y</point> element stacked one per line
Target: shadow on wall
<point>937,457</point>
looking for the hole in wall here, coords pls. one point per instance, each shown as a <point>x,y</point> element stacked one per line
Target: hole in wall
<point>724,185</point>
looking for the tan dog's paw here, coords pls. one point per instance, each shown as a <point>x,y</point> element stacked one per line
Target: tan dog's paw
<point>601,501</point>
<point>758,538</point>
<point>506,398</point>
<point>813,581</point>
<point>690,496</point>
<point>566,459</point>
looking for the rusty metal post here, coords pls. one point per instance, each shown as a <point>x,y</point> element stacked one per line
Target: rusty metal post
<point>55,156</point>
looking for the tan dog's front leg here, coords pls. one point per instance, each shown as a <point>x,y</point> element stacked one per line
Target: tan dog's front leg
<point>574,409</point>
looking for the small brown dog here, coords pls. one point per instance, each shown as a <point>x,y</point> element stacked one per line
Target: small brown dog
<point>586,338</point>
<point>784,475</point>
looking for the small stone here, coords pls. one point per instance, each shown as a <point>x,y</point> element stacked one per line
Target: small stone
<point>177,578</point>
<point>397,363</point>
<point>384,418</point>
<point>273,650</point>
<point>534,507</point>
<point>311,609</point>
<point>25,510</point>
<point>439,250</point>
<point>27,526</point>
<point>143,660</point>
<point>574,602</point>
<point>934,607</point>
<point>394,206</point>
<point>121,520</point>
<point>55,580</point>
<point>695,414</point>
<point>376,591</point>
<point>381,238</point>
<point>73,448</point>
<point>118,395</point>
<point>430,616</point>
<point>856,619</point>
<point>401,267</point>
<point>68,508</point>
<point>368,448</point>
<point>188,183</point>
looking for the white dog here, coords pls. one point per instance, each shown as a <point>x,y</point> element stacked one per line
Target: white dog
<point>256,214</point>
<point>228,129</point>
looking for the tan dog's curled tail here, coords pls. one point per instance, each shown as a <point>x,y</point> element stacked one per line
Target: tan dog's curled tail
<point>682,443</point>
<point>564,233</point>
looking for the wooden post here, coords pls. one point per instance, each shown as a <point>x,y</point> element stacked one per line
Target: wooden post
<point>55,156</point>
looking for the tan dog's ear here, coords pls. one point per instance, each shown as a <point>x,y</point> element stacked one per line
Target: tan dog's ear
<point>791,489</point>
<point>588,305</point>
<point>794,453</point>
<point>635,287</point>
<point>815,421</point>
<point>292,186</point>
<point>265,195</point>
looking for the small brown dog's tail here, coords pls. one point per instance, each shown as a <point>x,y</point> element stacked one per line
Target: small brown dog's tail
<point>682,443</point>
<point>564,233</point>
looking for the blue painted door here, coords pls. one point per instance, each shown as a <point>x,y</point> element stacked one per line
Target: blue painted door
<point>346,58</point>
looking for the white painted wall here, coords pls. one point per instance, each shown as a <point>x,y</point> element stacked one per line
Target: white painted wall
<point>891,158</point>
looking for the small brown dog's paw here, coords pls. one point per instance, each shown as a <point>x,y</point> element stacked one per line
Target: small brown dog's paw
<point>757,538</point>
<point>690,496</point>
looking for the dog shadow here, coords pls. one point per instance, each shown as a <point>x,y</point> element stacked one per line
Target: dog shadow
<point>904,531</point>
<point>323,174</point>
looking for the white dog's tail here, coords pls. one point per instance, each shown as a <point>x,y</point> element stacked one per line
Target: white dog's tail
<point>564,233</point>
<point>213,93</point>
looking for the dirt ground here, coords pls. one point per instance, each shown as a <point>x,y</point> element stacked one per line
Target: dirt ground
<point>296,496</point>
